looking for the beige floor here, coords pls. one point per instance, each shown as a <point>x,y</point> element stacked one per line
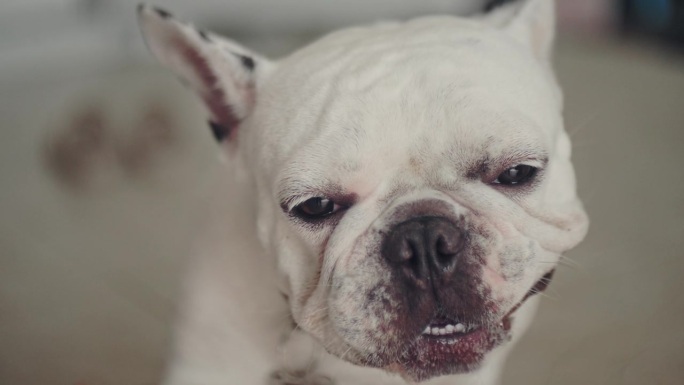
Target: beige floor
<point>89,273</point>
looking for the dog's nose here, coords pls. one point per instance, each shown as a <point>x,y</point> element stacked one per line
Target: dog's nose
<point>424,248</point>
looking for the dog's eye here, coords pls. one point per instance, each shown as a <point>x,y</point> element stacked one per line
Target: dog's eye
<point>517,175</point>
<point>316,208</point>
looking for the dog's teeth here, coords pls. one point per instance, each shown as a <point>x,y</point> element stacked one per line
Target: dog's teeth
<point>447,330</point>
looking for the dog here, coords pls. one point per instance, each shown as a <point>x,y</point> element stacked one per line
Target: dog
<point>391,198</point>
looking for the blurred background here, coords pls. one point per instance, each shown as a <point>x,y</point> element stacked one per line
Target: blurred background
<point>105,162</point>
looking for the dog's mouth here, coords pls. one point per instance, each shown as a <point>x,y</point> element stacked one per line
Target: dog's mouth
<point>442,327</point>
<point>449,346</point>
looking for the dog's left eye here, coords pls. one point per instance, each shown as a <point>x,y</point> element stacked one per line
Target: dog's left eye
<point>316,208</point>
<point>517,175</point>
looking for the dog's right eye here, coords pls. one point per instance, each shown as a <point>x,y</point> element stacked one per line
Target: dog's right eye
<point>316,208</point>
<point>516,175</point>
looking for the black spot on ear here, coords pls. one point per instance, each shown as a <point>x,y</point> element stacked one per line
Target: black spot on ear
<point>164,14</point>
<point>203,34</point>
<point>493,4</point>
<point>246,61</point>
<point>220,132</point>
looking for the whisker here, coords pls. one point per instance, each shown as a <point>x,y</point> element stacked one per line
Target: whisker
<point>583,125</point>
<point>550,293</point>
<point>345,353</point>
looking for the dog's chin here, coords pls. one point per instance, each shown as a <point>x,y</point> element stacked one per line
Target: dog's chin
<point>446,347</point>
<point>437,355</point>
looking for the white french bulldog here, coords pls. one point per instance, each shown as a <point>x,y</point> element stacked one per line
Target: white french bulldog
<point>393,196</point>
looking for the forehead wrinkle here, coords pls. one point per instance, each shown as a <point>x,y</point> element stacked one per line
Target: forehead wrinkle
<point>380,92</point>
<point>490,136</point>
<point>318,167</point>
<point>291,180</point>
<point>319,146</point>
<point>489,162</point>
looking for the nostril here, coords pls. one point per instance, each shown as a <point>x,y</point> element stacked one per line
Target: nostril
<point>447,246</point>
<point>405,251</point>
<point>409,257</point>
<point>413,263</point>
<point>447,242</point>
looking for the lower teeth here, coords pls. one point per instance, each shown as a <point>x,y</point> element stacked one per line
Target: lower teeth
<point>447,330</point>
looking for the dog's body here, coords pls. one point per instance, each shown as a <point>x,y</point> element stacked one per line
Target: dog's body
<point>393,196</point>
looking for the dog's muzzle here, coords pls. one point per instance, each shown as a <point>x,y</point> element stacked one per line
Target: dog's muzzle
<point>444,319</point>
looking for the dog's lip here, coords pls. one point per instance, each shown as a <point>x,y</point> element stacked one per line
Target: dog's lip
<point>456,329</point>
<point>433,354</point>
<point>538,287</point>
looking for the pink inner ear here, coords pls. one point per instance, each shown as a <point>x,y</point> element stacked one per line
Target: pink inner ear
<point>212,94</point>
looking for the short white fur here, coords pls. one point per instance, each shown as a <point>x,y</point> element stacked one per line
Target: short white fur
<point>392,113</point>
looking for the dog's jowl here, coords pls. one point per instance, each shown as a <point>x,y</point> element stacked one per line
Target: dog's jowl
<point>393,196</point>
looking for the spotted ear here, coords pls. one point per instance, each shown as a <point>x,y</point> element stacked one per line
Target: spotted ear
<point>532,22</point>
<point>224,74</point>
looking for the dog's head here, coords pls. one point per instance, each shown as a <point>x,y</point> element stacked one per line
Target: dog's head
<point>414,179</point>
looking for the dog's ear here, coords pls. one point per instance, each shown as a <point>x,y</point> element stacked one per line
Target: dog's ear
<point>532,22</point>
<point>224,74</point>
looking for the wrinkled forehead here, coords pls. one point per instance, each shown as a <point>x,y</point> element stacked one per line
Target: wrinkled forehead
<point>431,86</point>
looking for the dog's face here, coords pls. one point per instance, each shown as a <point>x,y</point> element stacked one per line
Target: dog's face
<point>414,180</point>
